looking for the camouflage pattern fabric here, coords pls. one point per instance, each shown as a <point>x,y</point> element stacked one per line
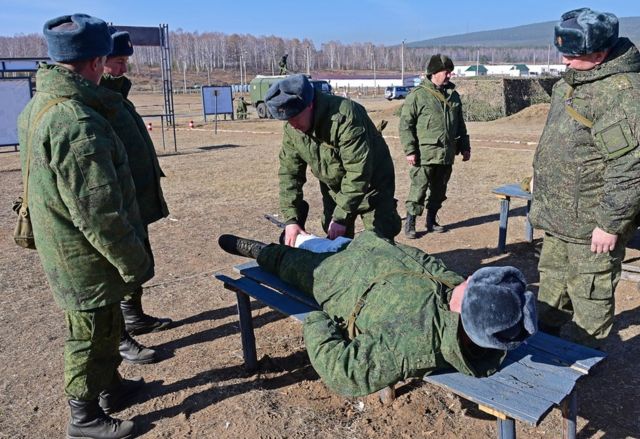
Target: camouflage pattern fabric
<point>432,127</point>
<point>345,151</point>
<point>143,159</point>
<point>590,177</point>
<point>427,182</point>
<point>86,221</point>
<point>587,177</point>
<point>241,109</point>
<point>405,326</point>
<point>91,356</point>
<point>577,289</point>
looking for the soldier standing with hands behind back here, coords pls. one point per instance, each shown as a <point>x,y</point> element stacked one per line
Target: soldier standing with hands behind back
<point>432,132</point>
<point>586,186</point>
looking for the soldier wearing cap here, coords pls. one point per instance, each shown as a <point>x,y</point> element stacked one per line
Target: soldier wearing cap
<point>86,221</point>
<point>337,140</point>
<point>432,132</point>
<point>586,186</point>
<point>391,312</point>
<point>146,173</point>
<point>241,109</point>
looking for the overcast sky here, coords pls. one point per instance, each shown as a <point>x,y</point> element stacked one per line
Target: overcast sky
<point>377,21</point>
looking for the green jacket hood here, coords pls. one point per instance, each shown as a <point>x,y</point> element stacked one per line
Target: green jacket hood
<point>623,58</point>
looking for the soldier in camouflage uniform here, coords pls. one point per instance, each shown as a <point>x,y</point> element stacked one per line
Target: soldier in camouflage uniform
<point>432,132</point>
<point>586,186</point>
<point>391,311</point>
<point>241,109</point>
<point>86,222</point>
<point>337,140</point>
<point>146,173</point>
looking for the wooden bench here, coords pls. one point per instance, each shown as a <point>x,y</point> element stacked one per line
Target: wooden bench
<point>538,376</point>
<point>505,193</point>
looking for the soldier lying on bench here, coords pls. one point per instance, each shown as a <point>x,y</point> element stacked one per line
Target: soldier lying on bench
<point>391,311</point>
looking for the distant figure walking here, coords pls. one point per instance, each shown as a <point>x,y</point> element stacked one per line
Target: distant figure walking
<point>241,109</point>
<point>283,64</point>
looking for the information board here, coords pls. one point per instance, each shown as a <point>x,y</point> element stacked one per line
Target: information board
<point>15,94</point>
<point>216,100</point>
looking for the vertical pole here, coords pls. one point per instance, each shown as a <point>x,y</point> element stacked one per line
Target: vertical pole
<point>215,103</point>
<point>569,407</point>
<point>246,332</point>
<point>506,428</point>
<point>528,228</point>
<point>504,220</point>
<point>402,63</point>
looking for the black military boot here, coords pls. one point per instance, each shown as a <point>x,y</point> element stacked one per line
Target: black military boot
<point>137,322</point>
<point>432,223</point>
<point>133,352</point>
<point>410,226</point>
<point>88,421</point>
<point>119,394</point>
<point>240,246</point>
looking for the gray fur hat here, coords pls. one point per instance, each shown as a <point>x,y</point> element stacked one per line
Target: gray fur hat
<point>497,310</point>
<point>584,31</point>
<point>77,37</point>
<point>438,63</point>
<point>289,96</point>
<point>121,43</point>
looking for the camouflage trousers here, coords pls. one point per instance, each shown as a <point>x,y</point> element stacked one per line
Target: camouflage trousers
<point>383,218</point>
<point>241,115</point>
<point>293,265</point>
<point>427,182</point>
<point>577,289</point>
<point>91,356</point>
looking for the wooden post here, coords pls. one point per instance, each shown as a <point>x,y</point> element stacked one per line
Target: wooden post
<point>504,222</point>
<point>246,332</point>
<point>569,407</point>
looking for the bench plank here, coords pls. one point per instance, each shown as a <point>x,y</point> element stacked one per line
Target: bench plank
<point>574,355</point>
<point>512,190</point>
<point>268,296</point>
<point>495,395</point>
<point>253,271</point>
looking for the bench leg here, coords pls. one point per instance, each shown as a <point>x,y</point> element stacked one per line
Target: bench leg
<point>506,428</point>
<point>528,228</point>
<point>569,409</point>
<point>504,221</point>
<point>246,332</point>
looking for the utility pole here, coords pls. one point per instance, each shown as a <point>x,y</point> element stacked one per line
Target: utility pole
<point>184,76</point>
<point>478,64</point>
<point>549,59</point>
<point>402,62</point>
<point>308,62</point>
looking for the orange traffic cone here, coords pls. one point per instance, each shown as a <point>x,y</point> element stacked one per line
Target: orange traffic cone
<point>191,124</point>
<point>149,126</point>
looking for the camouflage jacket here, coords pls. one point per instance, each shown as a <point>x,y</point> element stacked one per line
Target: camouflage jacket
<point>432,124</point>
<point>345,151</point>
<point>590,177</point>
<point>82,200</point>
<point>143,160</point>
<point>406,328</point>
<point>241,106</point>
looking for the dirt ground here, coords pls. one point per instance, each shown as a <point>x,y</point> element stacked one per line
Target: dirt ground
<point>225,183</point>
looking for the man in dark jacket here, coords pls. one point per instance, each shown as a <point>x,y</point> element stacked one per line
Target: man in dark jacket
<point>432,132</point>
<point>146,173</point>
<point>391,312</point>
<point>586,186</point>
<point>336,138</point>
<point>86,221</point>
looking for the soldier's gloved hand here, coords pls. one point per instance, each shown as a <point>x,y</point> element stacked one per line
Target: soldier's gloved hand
<point>602,242</point>
<point>291,231</point>
<point>336,229</point>
<point>466,155</point>
<point>411,159</point>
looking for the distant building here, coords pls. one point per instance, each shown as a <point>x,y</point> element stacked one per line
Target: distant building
<point>475,70</point>
<point>512,70</point>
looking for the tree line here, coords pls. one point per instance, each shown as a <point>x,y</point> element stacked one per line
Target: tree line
<point>208,51</point>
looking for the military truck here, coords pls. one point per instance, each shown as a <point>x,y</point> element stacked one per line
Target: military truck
<point>260,84</point>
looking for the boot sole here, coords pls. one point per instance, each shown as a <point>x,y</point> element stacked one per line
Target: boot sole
<point>148,361</point>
